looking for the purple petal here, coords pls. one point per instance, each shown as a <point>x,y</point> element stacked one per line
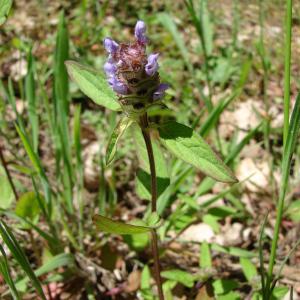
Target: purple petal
<point>110,69</point>
<point>140,32</point>
<point>160,92</point>
<point>110,45</point>
<point>152,65</point>
<point>118,86</point>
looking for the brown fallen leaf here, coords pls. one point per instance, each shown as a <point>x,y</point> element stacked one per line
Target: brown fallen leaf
<point>205,292</point>
<point>133,282</point>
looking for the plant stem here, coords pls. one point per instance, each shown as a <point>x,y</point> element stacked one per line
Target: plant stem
<point>287,67</point>
<point>280,205</point>
<point>154,242</point>
<point>3,161</point>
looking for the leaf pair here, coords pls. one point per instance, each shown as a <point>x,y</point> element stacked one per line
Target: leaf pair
<point>181,140</point>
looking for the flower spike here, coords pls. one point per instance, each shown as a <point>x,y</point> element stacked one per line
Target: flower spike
<point>133,75</point>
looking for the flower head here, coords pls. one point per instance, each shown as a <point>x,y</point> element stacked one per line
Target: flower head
<point>132,74</point>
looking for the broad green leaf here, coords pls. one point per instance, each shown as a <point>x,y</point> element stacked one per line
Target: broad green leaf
<point>139,241</point>
<point>6,192</point>
<point>114,138</point>
<point>187,145</point>
<point>205,256</point>
<point>180,276</point>
<point>5,6</point>
<point>28,206</point>
<point>223,286</point>
<point>248,267</point>
<point>116,227</point>
<point>279,292</point>
<point>145,289</point>
<point>143,179</point>
<point>208,183</point>
<point>93,84</point>
<point>230,296</point>
<point>293,211</point>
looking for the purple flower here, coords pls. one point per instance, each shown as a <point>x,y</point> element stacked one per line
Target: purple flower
<point>131,72</point>
<point>152,65</point>
<point>110,45</point>
<point>118,86</point>
<point>160,92</point>
<point>109,68</point>
<point>140,32</point>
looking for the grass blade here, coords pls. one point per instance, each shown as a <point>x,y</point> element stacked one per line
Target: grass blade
<point>31,99</point>
<point>20,257</point>
<point>287,68</point>
<point>289,149</point>
<point>4,270</point>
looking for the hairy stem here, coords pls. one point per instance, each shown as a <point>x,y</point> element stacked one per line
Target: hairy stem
<point>154,243</point>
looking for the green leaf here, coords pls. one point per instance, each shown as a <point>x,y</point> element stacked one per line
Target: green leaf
<point>28,206</point>
<point>293,211</point>
<point>234,251</point>
<point>93,84</point>
<point>153,220</point>
<point>145,289</point>
<point>279,292</point>
<point>18,254</point>
<point>223,286</point>
<point>208,183</point>
<point>5,6</point>
<point>290,146</point>
<point>207,27</point>
<point>230,296</point>
<point>6,192</point>
<point>205,256</point>
<point>249,268</point>
<point>61,81</point>
<point>116,227</point>
<point>30,89</point>
<point>180,276</point>
<point>30,152</point>
<point>187,145</point>
<point>58,261</point>
<point>5,272</point>
<point>114,138</point>
<point>139,241</point>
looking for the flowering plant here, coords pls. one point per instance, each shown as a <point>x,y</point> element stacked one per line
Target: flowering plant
<point>132,84</point>
<point>133,75</point>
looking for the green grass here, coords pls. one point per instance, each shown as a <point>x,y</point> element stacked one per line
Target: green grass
<point>53,139</point>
